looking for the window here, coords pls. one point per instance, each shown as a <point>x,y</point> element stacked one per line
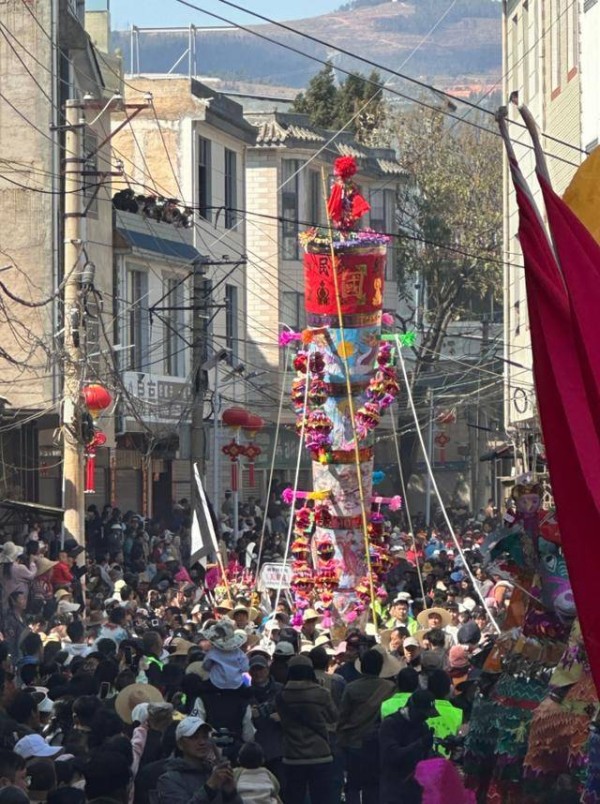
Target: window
<point>383,219</point>
<point>204,178</point>
<point>231,323</point>
<point>525,56</point>
<point>377,202</point>
<point>230,188</point>
<point>572,22</point>
<point>173,323</point>
<point>514,53</point>
<point>315,193</point>
<point>290,208</point>
<point>90,171</point>
<point>137,324</point>
<point>555,35</point>
<point>293,312</point>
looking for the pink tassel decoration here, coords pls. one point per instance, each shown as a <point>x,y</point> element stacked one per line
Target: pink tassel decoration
<point>287,496</point>
<point>396,503</point>
<point>287,336</point>
<point>387,319</point>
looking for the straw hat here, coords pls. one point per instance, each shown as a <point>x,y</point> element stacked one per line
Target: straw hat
<point>250,611</point>
<point>391,665</point>
<point>311,614</point>
<point>423,617</point>
<point>197,668</point>
<point>10,552</point>
<point>60,593</point>
<point>182,647</point>
<point>385,637</point>
<point>135,694</point>
<point>43,565</point>
<point>224,605</point>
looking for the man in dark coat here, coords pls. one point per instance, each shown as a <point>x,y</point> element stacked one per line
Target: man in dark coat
<point>264,713</point>
<point>405,740</point>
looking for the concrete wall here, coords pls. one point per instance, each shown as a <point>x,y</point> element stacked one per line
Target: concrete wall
<point>26,232</point>
<point>590,73</point>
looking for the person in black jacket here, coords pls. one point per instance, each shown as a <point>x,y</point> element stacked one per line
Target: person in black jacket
<point>264,713</point>
<point>307,714</point>
<point>405,740</point>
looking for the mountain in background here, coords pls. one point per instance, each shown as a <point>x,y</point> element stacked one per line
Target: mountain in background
<point>462,48</point>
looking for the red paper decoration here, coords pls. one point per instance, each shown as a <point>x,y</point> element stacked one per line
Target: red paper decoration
<point>99,440</point>
<point>233,450</point>
<point>97,399</point>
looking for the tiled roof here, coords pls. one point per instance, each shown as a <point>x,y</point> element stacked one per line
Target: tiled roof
<point>389,167</point>
<point>293,130</point>
<point>272,132</point>
<point>350,150</point>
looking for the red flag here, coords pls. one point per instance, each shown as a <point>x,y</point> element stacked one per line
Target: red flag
<point>570,435</point>
<point>579,257</point>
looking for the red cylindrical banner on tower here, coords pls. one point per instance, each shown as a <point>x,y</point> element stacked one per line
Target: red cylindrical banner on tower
<point>360,277</point>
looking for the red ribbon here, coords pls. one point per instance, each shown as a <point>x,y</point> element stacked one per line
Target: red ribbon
<point>90,473</point>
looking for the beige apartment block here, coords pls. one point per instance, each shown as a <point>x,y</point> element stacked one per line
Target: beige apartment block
<point>547,59</point>
<point>46,57</point>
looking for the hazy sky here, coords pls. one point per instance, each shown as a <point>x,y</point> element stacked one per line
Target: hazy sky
<point>156,13</point>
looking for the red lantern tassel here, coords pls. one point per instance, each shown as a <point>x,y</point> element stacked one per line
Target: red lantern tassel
<point>90,473</point>
<point>234,475</point>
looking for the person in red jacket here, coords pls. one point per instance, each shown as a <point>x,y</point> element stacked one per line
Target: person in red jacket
<point>61,573</point>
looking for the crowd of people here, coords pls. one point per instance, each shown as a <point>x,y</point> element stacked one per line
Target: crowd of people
<point>132,676</point>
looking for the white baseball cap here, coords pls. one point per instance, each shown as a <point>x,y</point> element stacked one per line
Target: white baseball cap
<point>34,745</point>
<point>189,726</point>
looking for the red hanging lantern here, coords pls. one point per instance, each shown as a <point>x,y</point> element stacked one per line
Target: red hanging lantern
<point>97,399</point>
<point>233,450</point>
<point>99,440</point>
<point>253,424</point>
<point>235,417</point>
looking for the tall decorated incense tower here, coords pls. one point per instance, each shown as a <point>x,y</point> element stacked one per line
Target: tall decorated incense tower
<point>345,380</point>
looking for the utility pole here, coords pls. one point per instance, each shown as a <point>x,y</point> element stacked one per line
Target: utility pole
<point>430,456</point>
<point>200,306</point>
<point>73,459</point>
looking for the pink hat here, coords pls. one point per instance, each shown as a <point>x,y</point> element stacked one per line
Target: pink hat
<point>458,657</point>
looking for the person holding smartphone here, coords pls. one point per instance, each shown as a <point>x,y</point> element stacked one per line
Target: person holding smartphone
<point>198,773</point>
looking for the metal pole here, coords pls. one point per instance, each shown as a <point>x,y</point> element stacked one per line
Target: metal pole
<point>74,332</point>
<point>198,434</point>
<point>216,445</point>
<point>430,456</point>
<point>236,495</point>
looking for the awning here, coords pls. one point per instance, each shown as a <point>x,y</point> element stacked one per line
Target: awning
<point>11,509</point>
<point>176,249</point>
<point>502,451</point>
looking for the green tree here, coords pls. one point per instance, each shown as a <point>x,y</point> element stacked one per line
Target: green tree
<point>355,105</point>
<point>319,101</point>
<point>453,197</point>
<point>359,101</point>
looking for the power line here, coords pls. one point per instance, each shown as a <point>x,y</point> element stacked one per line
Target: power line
<point>368,80</point>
